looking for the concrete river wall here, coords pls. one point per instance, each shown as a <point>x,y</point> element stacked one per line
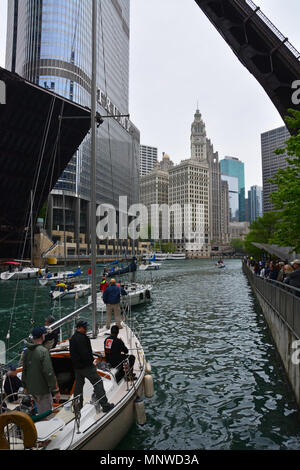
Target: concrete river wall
<point>281,309</point>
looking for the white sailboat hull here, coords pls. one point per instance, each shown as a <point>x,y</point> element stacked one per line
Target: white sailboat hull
<point>135,296</point>
<point>26,273</point>
<point>79,291</point>
<point>149,266</point>
<point>56,277</point>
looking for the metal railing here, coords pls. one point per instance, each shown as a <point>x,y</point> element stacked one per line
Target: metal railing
<point>273,28</point>
<point>282,298</point>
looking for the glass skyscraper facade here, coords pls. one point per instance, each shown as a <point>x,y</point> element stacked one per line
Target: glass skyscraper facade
<point>49,43</point>
<point>271,162</point>
<point>231,166</point>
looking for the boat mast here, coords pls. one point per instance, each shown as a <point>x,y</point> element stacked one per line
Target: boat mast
<point>93,165</point>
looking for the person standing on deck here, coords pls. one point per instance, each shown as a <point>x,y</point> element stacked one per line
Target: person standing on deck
<point>84,366</point>
<point>38,377</point>
<point>112,298</point>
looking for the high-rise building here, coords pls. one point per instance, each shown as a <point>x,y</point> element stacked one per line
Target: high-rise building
<point>148,159</point>
<point>232,166</point>
<point>271,163</point>
<point>189,191</point>
<point>233,196</point>
<point>49,43</point>
<point>254,203</point>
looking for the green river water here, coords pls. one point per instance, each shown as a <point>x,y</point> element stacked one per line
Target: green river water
<point>219,383</point>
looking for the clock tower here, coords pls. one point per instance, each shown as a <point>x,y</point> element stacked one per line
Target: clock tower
<point>198,138</point>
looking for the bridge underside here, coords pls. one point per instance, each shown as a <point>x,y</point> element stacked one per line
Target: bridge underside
<point>259,46</point>
<point>35,148</point>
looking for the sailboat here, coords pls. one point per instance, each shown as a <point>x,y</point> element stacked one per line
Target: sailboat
<point>18,272</point>
<point>90,429</point>
<point>149,264</point>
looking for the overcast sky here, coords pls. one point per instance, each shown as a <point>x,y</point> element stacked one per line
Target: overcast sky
<point>178,59</point>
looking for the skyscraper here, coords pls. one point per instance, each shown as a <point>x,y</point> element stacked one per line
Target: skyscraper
<point>254,203</point>
<point>148,159</point>
<point>49,43</point>
<point>232,166</point>
<point>271,163</point>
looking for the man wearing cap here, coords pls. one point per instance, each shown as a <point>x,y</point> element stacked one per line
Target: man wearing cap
<point>112,298</point>
<point>38,377</point>
<point>293,279</point>
<point>84,367</point>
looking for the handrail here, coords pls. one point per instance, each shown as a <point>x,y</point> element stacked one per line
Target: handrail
<point>273,28</point>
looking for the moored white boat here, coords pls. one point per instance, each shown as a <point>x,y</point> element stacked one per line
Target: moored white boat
<point>68,292</point>
<point>137,294</point>
<point>147,266</point>
<point>20,273</point>
<point>50,277</point>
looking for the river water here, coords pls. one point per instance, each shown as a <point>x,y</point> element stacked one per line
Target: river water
<point>219,383</point>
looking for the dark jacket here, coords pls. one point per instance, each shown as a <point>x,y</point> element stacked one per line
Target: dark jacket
<point>11,385</point>
<point>38,375</point>
<point>293,279</point>
<point>112,294</point>
<point>81,351</point>
<point>114,347</point>
<point>53,336</point>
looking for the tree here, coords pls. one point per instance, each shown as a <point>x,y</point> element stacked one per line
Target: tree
<point>261,231</point>
<point>238,245</point>
<point>287,197</point>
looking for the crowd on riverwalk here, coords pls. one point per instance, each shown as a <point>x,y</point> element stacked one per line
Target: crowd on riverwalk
<point>280,271</point>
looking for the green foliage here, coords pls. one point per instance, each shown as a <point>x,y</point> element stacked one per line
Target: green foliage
<point>287,197</point>
<point>167,247</point>
<point>238,245</point>
<point>261,231</point>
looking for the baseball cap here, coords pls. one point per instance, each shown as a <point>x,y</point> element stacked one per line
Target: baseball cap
<point>82,323</point>
<point>38,331</point>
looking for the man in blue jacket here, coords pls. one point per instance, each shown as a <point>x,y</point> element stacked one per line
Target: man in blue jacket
<point>112,297</point>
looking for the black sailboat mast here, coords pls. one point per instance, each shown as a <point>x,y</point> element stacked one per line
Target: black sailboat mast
<point>93,166</point>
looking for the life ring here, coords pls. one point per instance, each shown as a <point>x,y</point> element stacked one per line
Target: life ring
<point>24,422</point>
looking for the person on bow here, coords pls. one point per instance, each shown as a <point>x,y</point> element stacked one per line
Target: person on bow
<point>116,353</point>
<point>112,299</point>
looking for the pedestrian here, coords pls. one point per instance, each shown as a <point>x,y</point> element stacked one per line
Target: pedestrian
<point>85,368</point>
<point>38,376</point>
<point>12,384</point>
<point>112,298</point>
<point>51,339</point>
<point>116,352</point>
<point>293,279</point>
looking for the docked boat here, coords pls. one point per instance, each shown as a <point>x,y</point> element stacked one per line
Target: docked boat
<point>176,256</point>
<point>137,294</point>
<point>64,290</point>
<point>158,256</point>
<point>49,278</point>
<point>17,271</point>
<point>119,270</point>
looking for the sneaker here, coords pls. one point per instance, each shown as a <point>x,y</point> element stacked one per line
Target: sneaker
<point>106,408</point>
